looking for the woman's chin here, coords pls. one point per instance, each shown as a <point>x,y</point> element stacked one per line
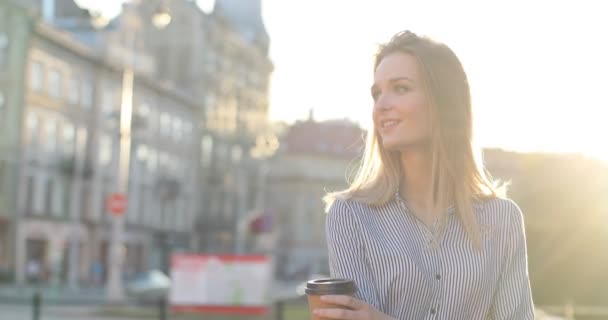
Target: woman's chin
<point>391,145</point>
<point>401,145</point>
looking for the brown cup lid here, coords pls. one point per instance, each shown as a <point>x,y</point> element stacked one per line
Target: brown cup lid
<point>330,286</point>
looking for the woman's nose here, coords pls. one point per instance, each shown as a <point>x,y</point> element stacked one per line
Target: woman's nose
<point>383,102</point>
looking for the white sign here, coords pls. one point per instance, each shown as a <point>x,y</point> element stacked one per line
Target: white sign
<point>221,283</point>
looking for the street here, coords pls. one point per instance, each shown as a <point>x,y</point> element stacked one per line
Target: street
<point>24,312</point>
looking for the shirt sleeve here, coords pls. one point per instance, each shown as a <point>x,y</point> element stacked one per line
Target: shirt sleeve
<point>347,252</point>
<point>513,298</point>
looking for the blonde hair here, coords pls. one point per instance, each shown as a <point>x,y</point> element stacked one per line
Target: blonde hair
<point>458,176</point>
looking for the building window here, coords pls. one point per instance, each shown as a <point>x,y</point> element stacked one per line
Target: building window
<point>105,150</point>
<point>141,155</point>
<point>48,196</point>
<point>108,104</point>
<point>39,194</point>
<point>86,93</point>
<point>152,160</point>
<point>152,122</point>
<point>187,130</point>
<point>32,129</point>
<point>206,151</point>
<point>165,124</point>
<point>30,193</point>
<point>177,128</point>
<point>3,50</point>
<point>81,141</point>
<point>73,89</point>
<point>2,101</point>
<point>142,152</point>
<point>50,133</point>
<point>210,101</point>
<point>68,139</point>
<point>163,160</point>
<point>143,110</point>
<point>58,205</point>
<point>175,165</point>
<point>236,154</point>
<point>54,83</point>
<point>36,76</point>
<point>141,117</point>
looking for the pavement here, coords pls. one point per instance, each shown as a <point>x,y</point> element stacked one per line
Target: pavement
<point>24,312</point>
<point>87,303</point>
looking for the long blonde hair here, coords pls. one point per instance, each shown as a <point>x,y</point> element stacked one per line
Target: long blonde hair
<point>458,176</point>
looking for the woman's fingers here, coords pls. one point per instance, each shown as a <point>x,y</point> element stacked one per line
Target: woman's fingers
<point>336,313</point>
<point>344,300</point>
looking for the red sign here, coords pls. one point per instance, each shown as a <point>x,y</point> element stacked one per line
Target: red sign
<point>222,284</point>
<point>116,203</point>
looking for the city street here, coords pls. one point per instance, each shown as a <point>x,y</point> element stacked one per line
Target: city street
<point>15,304</point>
<point>24,312</point>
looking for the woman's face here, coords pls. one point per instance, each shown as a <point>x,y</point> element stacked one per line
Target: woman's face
<point>401,110</point>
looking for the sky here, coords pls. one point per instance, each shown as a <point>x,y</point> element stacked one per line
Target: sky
<point>537,69</point>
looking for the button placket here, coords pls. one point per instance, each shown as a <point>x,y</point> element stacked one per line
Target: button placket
<point>437,283</point>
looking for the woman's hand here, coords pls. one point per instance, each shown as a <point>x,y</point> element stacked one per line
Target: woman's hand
<point>359,310</point>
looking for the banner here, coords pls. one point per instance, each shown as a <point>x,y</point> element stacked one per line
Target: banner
<point>221,283</point>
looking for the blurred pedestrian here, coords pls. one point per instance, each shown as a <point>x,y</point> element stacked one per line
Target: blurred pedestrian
<point>97,273</point>
<point>34,271</point>
<point>422,230</point>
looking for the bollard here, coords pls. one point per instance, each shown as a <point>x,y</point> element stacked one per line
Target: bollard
<point>162,308</point>
<point>279,309</point>
<point>36,301</point>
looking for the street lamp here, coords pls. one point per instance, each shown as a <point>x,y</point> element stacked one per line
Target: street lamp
<point>161,17</point>
<point>115,290</point>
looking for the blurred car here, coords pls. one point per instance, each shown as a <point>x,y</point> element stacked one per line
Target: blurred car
<point>149,286</point>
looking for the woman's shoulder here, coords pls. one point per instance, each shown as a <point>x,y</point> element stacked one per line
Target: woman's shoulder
<point>503,211</point>
<point>348,208</point>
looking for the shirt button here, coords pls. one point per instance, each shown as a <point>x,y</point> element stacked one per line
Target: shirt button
<point>433,311</point>
<point>438,276</point>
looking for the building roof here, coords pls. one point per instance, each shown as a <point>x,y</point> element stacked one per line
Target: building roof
<point>245,17</point>
<point>336,138</point>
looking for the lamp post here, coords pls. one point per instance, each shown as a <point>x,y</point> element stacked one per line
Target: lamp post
<point>115,290</point>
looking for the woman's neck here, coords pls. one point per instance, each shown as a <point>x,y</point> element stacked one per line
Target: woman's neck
<point>416,183</point>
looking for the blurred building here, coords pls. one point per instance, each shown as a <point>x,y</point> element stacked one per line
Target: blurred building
<point>314,157</point>
<point>60,152</point>
<point>220,58</point>
<point>199,130</point>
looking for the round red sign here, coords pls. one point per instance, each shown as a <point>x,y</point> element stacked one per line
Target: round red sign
<point>116,203</point>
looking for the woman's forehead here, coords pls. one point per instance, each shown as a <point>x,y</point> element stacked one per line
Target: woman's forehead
<point>396,65</point>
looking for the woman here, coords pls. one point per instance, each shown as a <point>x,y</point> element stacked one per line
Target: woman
<point>422,230</point>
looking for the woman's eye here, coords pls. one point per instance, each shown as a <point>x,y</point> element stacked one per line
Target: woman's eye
<point>401,88</point>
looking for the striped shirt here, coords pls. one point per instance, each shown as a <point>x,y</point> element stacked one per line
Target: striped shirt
<point>406,271</point>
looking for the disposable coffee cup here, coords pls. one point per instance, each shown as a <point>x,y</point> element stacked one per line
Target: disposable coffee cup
<point>320,287</point>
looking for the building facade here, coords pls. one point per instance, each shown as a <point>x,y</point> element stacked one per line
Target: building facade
<point>200,109</point>
<point>65,150</point>
<point>222,59</point>
<point>314,158</point>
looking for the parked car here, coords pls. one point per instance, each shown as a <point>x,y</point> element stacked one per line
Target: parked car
<point>149,286</point>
